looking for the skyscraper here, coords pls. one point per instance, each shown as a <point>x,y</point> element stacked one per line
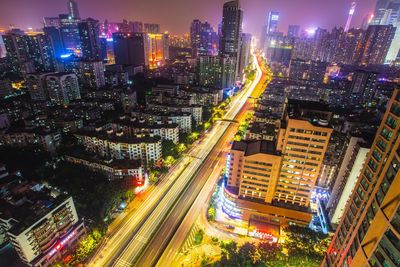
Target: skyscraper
<point>203,38</point>
<point>293,31</point>
<point>351,12</point>
<point>131,48</point>
<point>73,10</point>
<point>195,31</point>
<point>70,33</point>
<point>369,231</point>
<point>376,43</point>
<point>272,22</point>
<point>89,31</point>
<point>232,16</point>
<point>387,12</point>
<point>29,53</point>
<point>245,45</point>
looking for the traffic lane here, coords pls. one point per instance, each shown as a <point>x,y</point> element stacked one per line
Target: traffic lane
<point>170,225</point>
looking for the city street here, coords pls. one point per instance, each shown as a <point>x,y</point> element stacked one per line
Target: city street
<point>137,241</point>
<point>209,177</point>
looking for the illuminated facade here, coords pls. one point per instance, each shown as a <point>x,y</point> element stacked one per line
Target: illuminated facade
<point>40,237</point>
<point>369,230</point>
<point>272,182</point>
<point>158,49</point>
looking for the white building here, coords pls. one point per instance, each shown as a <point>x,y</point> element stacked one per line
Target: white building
<point>38,225</point>
<point>120,146</point>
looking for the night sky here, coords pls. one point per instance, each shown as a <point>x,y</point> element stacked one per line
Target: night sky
<point>176,15</point>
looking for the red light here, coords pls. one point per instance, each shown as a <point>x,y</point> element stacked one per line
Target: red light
<point>58,247</point>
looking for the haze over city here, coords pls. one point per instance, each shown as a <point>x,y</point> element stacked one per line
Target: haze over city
<point>175,15</point>
<point>199,133</point>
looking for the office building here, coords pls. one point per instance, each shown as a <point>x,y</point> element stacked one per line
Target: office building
<point>136,26</point>
<point>274,185</point>
<point>70,34</point>
<point>272,22</point>
<point>62,87</point>
<point>89,32</point>
<point>131,48</point>
<point>231,32</point>
<point>369,230</point>
<point>73,10</point>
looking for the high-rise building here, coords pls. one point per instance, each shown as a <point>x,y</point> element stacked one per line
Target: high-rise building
<point>70,33</point>
<point>272,22</point>
<point>54,34</point>
<point>209,71</point>
<point>195,31</point>
<point>89,32</point>
<point>131,48</point>
<point>376,43</point>
<point>136,26</point>
<point>73,10</point>
<point>356,150</point>
<point>40,52</point>
<point>351,13</point>
<point>203,39</point>
<point>92,73</point>
<point>387,12</point>
<point>151,28</point>
<point>363,85</point>
<point>369,230</point>
<point>36,85</point>
<point>272,182</point>
<point>245,46</point>
<point>29,53</point>
<point>158,49</point>
<point>62,88</point>
<point>232,16</point>
<point>303,143</point>
<point>293,31</point>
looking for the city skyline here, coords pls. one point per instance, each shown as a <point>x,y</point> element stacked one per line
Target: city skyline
<point>314,13</point>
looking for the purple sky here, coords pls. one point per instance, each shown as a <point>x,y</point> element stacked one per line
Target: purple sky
<point>176,15</point>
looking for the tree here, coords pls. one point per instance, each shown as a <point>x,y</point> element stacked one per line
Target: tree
<point>211,214</point>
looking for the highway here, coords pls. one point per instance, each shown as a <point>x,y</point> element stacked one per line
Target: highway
<point>155,220</point>
<point>180,220</point>
<point>123,245</point>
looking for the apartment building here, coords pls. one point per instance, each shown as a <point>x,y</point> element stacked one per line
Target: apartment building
<point>39,225</point>
<point>369,230</point>
<point>117,145</point>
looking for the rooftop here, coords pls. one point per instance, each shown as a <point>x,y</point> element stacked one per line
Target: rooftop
<point>255,147</point>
